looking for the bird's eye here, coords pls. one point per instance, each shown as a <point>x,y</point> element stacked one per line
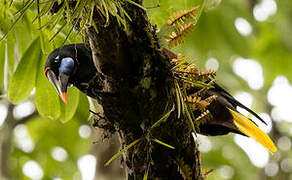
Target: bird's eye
<point>57,59</point>
<point>69,85</point>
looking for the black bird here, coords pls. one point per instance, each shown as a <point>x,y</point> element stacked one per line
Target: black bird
<point>225,119</point>
<point>73,64</point>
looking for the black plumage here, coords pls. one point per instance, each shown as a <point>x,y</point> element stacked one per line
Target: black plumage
<point>222,123</point>
<point>83,73</point>
<point>73,64</point>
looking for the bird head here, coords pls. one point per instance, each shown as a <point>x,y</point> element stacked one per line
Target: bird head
<point>60,67</point>
<point>70,65</point>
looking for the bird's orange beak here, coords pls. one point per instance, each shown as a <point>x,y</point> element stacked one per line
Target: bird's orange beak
<point>60,83</point>
<point>64,97</point>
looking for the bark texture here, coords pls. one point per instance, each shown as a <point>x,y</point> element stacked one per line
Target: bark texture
<point>137,91</point>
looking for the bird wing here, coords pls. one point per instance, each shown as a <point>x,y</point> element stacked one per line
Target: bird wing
<point>225,114</point>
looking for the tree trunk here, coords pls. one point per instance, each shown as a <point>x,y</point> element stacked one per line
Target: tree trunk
<point>137,90</point>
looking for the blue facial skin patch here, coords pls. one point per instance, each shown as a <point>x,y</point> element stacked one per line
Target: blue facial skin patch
<point>66,66</point>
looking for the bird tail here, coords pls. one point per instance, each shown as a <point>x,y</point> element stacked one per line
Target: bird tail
<point>248,127</point>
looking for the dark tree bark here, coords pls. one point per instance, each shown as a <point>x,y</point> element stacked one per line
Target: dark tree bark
<point>136,91</point>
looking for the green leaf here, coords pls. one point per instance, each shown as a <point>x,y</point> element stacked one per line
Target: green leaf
<point>23,79</point>
<point>188,111</point>
<point>10,50</point>
<point>59,30</point>
<point>82,111</point>
<point>179,100</point>
<point>189,117</point>
<point>201,9</point>
<point>163,118</point>
<point>23,34</point>
<point>4,21</point>
<point>22,12</point>
<point>121,152</point>
<point>2,63</point>
<point>136,4</point>
<point>47,98</point>
<point>198,83</point>
<point>145,175</point>
<point>68,110</point>
<point>163,143</point>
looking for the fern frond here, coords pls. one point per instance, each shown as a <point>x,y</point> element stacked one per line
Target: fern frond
<point>192,69</point>
<point>206,172</point>
<point>180,59</point>
<point>179,35</point>
<point>202,105</point>
<point>207,74</point>
<point>210,99</point>
<point>197,102</point>
<point>190,83</point>
<point>203,91</point>
<point>179,64</point>
<point>181,16</point>
<point>193,101</point>
<point>204,117</point>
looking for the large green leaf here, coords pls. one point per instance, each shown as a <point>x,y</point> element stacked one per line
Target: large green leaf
<point>23,79</point>
<point>68,110</point>
<point>2,63</point>
<point>5,22</point>
<point>47,98</point>
<point>82,111</point>
<point>10,51</point>
<point>23,34</point>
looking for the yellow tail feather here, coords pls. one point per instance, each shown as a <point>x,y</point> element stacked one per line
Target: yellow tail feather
<point>248,128</point>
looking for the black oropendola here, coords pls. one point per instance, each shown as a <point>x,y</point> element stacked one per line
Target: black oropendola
<point>73,65</point>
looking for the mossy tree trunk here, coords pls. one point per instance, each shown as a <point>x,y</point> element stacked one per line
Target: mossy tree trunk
<point>137,90</point>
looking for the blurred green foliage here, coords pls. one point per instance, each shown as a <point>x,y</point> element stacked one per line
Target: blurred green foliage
<point>22,57</point>
<point>47,135</point>
<point>26,49</point>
